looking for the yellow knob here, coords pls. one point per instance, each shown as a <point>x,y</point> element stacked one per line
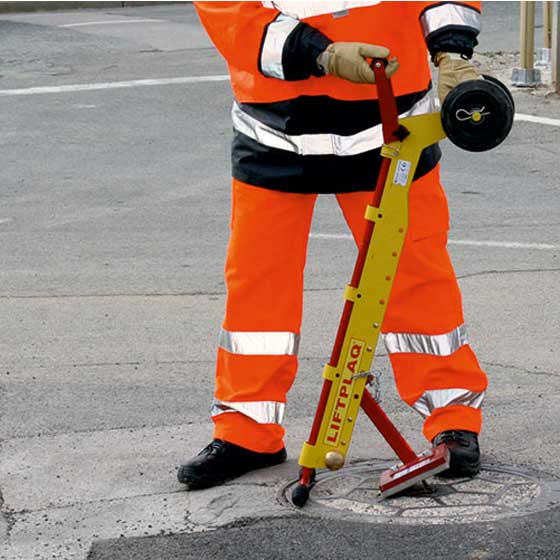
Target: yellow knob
<point>476,116</point>
<point>334,460</point>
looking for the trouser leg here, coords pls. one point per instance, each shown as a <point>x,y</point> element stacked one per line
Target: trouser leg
<point>257,355</point>
<point>435,369</point>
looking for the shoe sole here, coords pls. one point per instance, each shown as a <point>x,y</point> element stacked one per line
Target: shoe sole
<point>184,476</point>
<point>461,471</point>
<point>196,483</point>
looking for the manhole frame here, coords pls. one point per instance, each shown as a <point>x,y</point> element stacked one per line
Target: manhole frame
<point>547,499</point>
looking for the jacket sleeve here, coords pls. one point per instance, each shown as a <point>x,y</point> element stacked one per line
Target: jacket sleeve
<point>255,38</point>
<point>450,26</point>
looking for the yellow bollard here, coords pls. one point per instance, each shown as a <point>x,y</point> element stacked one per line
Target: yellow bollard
<point>545,53</point>
<point>556,47</point>
<point>527,75</point>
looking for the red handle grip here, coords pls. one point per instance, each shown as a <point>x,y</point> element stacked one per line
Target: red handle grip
<point>392,132</point>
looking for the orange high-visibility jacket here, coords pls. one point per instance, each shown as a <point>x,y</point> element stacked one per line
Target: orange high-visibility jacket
<point>298,130</point>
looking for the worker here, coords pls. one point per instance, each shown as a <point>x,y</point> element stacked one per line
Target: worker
<point>306,122</point>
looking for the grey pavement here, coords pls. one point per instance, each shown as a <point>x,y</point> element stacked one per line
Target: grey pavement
<point>113,229</point>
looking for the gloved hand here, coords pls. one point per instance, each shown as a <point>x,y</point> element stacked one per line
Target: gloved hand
<point>452,72</point>
<point>348,61</point>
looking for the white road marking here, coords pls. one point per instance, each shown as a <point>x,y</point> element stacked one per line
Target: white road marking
<point>504,244</point>
<point>468,242</point>
<point>112,22</point>
<point>330,236</point>
<point>177,81</point>
<point>535,119</point>
<point>114,85</point>
<point>6,221</point>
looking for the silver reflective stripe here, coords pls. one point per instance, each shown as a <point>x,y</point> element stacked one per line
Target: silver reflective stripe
<point>260,343</point>
<point>320,144</point>
<point>311,8</point>
<point>436,345</point>
<point>263,412</point>
<point>271,54</point>
<point>449,14</point>
<point>438,398</point>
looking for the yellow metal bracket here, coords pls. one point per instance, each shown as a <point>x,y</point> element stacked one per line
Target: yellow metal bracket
<point>352,294</point>
<point>390,150</point>
<point>329,372</point>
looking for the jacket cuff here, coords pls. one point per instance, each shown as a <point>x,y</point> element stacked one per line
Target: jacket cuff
<point>459,42</point>
<point>290,49</point>
<point>451,27</point>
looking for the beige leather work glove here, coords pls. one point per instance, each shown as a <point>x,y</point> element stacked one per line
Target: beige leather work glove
<point>348,61</point>
<point>452,72</point>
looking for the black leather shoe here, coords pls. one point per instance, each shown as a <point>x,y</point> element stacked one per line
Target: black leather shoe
<point>463,450</point>
<point>221,461</point>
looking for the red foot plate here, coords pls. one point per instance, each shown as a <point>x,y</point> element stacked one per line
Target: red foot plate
<point>400,477</point>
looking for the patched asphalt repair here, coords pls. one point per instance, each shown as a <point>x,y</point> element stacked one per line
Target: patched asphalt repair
<point>304,538</point>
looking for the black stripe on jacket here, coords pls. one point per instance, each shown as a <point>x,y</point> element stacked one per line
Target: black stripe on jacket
<point>280,170</point>
<point>271,168</point>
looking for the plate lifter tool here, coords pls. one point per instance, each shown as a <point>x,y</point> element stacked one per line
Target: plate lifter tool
<point>347,372</point>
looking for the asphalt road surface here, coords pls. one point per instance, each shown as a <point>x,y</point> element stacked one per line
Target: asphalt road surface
<point>113,229</point>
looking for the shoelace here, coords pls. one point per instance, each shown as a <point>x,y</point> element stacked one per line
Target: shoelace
<point>454,436</point>
<point>215,446</point>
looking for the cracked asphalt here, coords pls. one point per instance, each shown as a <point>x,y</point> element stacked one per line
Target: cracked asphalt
<point>113,228</point>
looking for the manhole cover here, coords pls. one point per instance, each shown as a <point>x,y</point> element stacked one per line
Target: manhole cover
<point>498,492</point>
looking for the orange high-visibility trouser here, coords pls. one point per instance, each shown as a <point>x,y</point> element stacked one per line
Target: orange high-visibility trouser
<point>435,369</point>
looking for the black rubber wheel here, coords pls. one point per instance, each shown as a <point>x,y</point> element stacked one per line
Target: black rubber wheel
<point>489,102</point>
<point>502,86</point>
<point>300,495</point>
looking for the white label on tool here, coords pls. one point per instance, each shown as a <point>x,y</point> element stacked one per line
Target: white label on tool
<point>408,470</point>
<point>402,172</point>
